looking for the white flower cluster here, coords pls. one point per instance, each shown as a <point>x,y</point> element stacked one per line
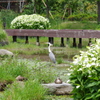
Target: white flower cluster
<point>33,21</point>
<point>88,60</point>
<point>85,74</point>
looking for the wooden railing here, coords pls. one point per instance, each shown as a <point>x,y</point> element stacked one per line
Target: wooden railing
<point>12,0</point>
<point>64,33</point>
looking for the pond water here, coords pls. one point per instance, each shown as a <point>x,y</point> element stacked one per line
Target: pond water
<point>61,69</point>
<point>62,72</point>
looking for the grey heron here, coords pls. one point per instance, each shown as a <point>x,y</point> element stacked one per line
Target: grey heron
<point>51,55</point>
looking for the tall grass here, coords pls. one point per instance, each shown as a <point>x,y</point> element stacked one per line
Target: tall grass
<point>44,74</point>
<point>11,68</point>
<point>31,69</point>
<point>35,71</point>
<point>30,90</point>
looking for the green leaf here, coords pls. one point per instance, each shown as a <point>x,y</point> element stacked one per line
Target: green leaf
<point>98,95</point>
<point>92,84</point>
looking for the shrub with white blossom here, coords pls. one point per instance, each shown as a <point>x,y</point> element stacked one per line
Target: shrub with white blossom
<point>85,74</point>
<point>33,21</point>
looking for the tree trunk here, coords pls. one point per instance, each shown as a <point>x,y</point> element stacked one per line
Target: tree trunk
<point>98,4</point>
<point>47,9</point>
<point>34,10</point>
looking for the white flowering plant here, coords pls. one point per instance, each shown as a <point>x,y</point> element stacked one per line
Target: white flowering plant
<point>85,74</point>
<point>33,21</point>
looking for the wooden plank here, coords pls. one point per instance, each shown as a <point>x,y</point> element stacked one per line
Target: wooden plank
<point>55,33</point>
<point>12,1</point>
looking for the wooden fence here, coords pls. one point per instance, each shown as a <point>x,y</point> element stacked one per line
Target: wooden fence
<point>64,33</point>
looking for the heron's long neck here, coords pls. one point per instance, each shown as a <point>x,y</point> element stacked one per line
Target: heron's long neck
<point>49,48</point>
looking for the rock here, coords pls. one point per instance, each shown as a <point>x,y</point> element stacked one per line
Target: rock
<point>4,52</point>
<point>59,89</point>
<point>20,78</point>
<point>2,86</point>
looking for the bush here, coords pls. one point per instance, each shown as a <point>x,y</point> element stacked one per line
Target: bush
<point>3,38</point>
<point>33,21</point>
<point>85,74</point>
<point>3,35</point>
<point>7,16</point>
<point>82,17</point>
<point>28,9</point>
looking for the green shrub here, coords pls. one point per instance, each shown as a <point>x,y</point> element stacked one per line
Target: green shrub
<point>3,35</point>
<point>82,17</point>
<point>30,90</point>
<point>85,74</point>
<point>33,21</point>
<point>28,9</point>
<point>7,16</point>
<point>76,17</point>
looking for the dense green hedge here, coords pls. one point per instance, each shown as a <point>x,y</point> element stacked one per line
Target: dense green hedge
<point>85,74</point>
<point>82,17</point>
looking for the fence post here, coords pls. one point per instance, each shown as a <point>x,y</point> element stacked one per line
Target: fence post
<point>51,40</point>
<point>89,44</point>
<point>62,42</point>
<point>14,38</point>
<point>26,39</point>
<point>37,41</point>
<point>80,43</point>
<point>74,42</point>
